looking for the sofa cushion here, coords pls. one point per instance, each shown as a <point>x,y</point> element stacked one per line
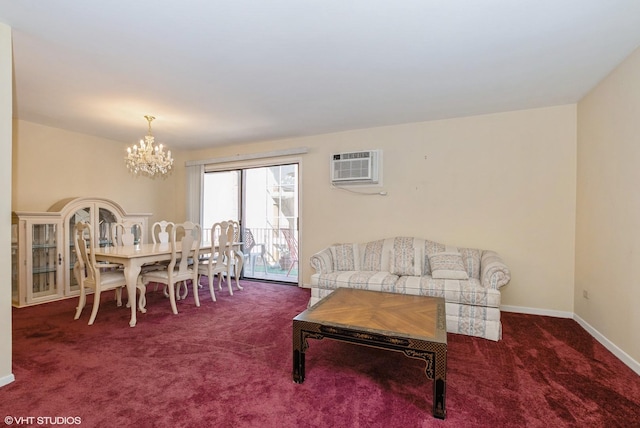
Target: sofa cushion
<point>447,265</point>
<point>372,260</point>
<point>366,280</point>
<point>468,292</point>
<point>406,262</point>
<point>431,247</point>
<point>345,257</point>
<point>471,258</point>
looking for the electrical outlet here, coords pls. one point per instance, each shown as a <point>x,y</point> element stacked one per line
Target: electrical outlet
<point>585,294</point>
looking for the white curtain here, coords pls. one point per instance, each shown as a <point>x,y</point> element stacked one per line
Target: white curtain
<point>195,177</point>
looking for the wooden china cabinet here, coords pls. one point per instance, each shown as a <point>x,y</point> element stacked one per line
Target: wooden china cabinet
<point>42,252</point>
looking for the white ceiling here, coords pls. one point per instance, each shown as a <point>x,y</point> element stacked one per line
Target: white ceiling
<point>218,72</point>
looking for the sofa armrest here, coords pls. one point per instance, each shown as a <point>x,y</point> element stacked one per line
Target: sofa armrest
<point>322,261</point>
<point>493,272</point>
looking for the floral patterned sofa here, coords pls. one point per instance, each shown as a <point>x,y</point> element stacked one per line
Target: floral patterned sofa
<point>468,279</point>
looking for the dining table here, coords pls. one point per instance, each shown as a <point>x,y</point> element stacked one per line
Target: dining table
<point>133,257</point>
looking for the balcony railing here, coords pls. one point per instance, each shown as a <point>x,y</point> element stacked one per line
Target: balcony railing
<point>279,255</point>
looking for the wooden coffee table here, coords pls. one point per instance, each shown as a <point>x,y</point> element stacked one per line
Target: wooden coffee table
<point>413,325</point>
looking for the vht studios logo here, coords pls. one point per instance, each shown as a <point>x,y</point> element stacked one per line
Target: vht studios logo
<point>43,420</point>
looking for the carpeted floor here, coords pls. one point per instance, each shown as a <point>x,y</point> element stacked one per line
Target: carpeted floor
<point>228,364</point>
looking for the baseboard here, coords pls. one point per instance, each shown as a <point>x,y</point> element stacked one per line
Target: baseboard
<point>619,353</point>
<point>536,311</point>
<point>6,380</point>
<point>622,356</point>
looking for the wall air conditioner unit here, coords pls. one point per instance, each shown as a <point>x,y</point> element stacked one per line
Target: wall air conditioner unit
<point>356,167</point>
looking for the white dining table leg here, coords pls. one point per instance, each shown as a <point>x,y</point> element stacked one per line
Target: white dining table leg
<point>239,256</point>
<point>131,272</point>
<point>195,284</point>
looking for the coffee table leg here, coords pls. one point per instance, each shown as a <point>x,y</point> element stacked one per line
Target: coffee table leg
<point>298,354</point>
<point>298,366</point>
<point>438,398</point>
<point>440,384</point>
<point>436,370</point>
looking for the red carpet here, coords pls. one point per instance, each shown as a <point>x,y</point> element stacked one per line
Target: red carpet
<point>228,364</point>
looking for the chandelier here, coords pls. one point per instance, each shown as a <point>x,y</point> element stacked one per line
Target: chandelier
<point>148,159</point>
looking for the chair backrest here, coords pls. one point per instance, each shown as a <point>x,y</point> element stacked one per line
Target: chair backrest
<point>160,231</point>
<point>234,235</point>
<point>292,243</point>
<point>126,233</point>
<point>222,231</point>
<point>189,235</point>
<point>87,271</point>
<point>249,241</point>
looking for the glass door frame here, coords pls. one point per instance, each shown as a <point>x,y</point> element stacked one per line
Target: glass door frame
<point>242,166</point>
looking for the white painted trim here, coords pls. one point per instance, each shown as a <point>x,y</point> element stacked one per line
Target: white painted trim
<point>536,311</point>
<point>622,356</point>
<point>250,156</point>
<point>611,347</point>
<point>6,380</point>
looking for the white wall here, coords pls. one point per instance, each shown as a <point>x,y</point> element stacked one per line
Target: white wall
<point>6,104</point>
<point>50,164</point>
<point>504,182</point>
<point>608,208</point>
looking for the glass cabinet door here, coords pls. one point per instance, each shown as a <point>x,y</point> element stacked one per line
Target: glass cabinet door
<point>103,218</point>
<point>106,219</point>
<point>45,261</point>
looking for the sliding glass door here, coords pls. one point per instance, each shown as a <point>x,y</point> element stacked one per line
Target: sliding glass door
<point>265,202</point>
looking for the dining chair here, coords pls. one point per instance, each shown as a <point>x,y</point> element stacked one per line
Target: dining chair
<point>130,233</point>
<point>90,274</point>
<point>250,245</point>
<point>235,254</point>
<point>292,245</point>
<point>184,240</point>
<point>235,234</point>
<point>126,233</point>
<point>218,261</point>
<point>160,231</point>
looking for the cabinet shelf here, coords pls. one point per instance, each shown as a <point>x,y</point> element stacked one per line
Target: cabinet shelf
<point>43,269</point>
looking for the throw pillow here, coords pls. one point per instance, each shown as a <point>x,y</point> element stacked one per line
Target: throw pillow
<point>372,255</point>
<point>406,262</point>
<point>447,265</point>
<point>345,257</point>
